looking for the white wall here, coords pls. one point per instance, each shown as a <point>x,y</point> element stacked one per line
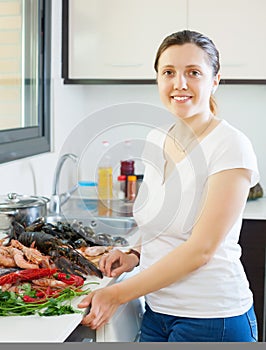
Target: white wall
<point>243,106</point>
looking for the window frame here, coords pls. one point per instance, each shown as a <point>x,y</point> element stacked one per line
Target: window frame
<point>28,141</point>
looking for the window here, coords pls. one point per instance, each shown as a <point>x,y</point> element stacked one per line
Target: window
<point>25,36</point>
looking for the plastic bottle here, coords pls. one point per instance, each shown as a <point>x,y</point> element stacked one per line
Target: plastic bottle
<point>88,193</point>
<point>88,189</point>
<point>127,167</point>
<point>105,183</point>
<point>121,179</point>
<point>127,164</point>
<point>131,187</point>
<point>139,181</point>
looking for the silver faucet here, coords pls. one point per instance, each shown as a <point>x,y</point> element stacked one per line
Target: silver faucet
<point>57,200</point>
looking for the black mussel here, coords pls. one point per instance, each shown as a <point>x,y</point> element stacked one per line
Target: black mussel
<point>104,239</point>
<point>120,241</point>
<point>80,243</point>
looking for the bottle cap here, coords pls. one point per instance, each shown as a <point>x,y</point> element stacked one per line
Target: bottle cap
<point>87,183</point>
<point>121,178</point>
<point>140,177</point>
<point>132,178</point>
<point>127,167</point>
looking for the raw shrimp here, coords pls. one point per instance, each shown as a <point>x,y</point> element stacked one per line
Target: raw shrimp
<point>6,259</point>
<point>20,261</point>
<point>49,282</point>
<point>32,254</point>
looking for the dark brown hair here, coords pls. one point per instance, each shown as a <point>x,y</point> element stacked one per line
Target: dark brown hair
<point>192,37</point>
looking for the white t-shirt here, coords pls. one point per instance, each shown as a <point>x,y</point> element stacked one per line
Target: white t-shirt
<point>166,211</point>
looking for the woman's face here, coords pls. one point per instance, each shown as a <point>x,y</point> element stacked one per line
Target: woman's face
<point>185,80</point>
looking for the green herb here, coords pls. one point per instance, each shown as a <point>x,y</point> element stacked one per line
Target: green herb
<point>26,288</point>
<point>12,304</point>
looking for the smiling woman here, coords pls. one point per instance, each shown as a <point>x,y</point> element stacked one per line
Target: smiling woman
<point>24,78</point>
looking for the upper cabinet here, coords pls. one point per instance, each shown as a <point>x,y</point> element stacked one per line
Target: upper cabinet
<point>115,41</point>
<point>238,29</point>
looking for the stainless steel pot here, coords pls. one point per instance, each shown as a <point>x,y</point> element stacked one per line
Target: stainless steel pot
<point>21,208</point>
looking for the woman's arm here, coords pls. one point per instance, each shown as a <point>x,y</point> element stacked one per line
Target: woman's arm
<point>226,196</point>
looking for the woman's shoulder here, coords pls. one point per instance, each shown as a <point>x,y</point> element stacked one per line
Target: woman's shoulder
<point>233,149</point>
<point>228,133</point>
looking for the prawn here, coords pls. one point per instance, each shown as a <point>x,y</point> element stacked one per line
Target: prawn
<point>20,261</point>
<point>32,254</point>
<point>6,259</point>
<point>49,282</point>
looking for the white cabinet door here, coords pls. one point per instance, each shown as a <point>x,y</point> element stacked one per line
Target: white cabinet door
<point>118,39</point>
<point>124,326</point>
<point>238,28</point>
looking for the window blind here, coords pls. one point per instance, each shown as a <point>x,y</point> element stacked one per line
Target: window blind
<point>11,57</point>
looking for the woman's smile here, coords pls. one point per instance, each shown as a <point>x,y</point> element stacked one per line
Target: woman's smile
<point>181,98</point>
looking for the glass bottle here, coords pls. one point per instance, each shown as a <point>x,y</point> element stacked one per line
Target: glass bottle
<point>121,179</point>
<point>105,183</point>
<point>131,187</point>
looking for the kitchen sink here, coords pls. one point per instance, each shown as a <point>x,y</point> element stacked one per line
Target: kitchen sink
<point>104,230</point>
<point>110,225</point>
<point>114,219</point>
<point>114,224</point>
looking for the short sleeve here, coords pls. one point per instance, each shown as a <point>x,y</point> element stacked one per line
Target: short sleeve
<point>236,151</point>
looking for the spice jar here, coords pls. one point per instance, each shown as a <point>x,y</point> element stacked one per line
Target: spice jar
<point>127,167</point>
<point>122,186</point>
<point>139,181</point>
<point>131,187</point>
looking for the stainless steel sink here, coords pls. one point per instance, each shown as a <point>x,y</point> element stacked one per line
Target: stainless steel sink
<point>118,223</point>
<point>104,230</point>
<point>111,225</point>
<point>116,219</point>
<point>100,224</point>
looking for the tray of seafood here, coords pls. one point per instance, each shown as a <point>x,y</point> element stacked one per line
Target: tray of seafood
<point>45,270</point>
<point>42,300</point>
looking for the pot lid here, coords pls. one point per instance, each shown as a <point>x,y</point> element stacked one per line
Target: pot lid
<point>15,201</point>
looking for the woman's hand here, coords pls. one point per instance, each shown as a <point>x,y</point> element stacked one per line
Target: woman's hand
<point>103,304</point>
<point>116,262</point>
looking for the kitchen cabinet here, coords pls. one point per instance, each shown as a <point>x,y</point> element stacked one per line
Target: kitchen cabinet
<point>124,325</point>
<point>253,243</point>
<point>116,41</point>
<point>238,29</point>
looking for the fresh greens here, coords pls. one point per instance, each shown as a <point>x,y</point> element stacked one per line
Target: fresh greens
<point>12,304</point>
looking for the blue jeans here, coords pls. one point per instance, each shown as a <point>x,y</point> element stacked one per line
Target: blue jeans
<point>157,327</point>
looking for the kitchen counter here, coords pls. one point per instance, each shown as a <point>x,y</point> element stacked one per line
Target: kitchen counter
<point>255,209</point>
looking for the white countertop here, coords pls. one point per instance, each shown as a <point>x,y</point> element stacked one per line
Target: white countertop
<point>255,209</point>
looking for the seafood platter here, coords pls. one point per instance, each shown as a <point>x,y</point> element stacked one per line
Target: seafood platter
<point>45,270</point>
